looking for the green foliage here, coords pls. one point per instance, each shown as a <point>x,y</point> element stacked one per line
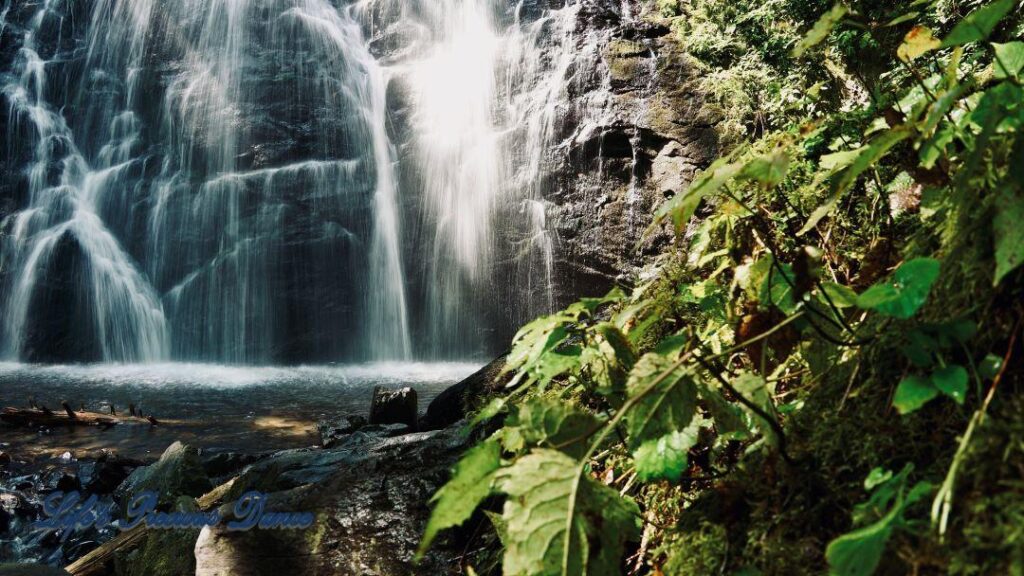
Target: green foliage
<point>558,522</point>
<point>470,484</point>
<point>839,261</point>
<point>905,292</point>
<point>859,552</point>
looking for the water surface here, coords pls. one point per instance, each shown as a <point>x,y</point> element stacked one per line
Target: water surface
<point>212,406</point>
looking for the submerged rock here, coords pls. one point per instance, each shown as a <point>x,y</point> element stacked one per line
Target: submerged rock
<point>394,406</point>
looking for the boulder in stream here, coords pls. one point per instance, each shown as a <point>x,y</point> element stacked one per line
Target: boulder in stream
<point>399,406</point>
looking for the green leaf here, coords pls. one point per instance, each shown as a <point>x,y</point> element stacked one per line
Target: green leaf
<point>858,553</point>
<point>682,206</point>
<point>727,416</point>
<point>912,393</point>
<point>978,24</point>
<point>951,381</point>
<point>668,456</point>
<point>1008,232</point>
<point>609,357</point>
<point>548,423</point>
<point>776,291</point>
<point>560,522</point>
<point>917,42</point>
<point>1009,60</point>
<point>754,388</point>
<point>989,366</point>
<point>469,485</point>
<point>769,170</point>
<point>905,292</point>
<point>669,399</point>
<point>877,477</point>
<point>821,29</point>
<point>841,296</point>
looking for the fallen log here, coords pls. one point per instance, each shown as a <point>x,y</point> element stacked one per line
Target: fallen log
<point>101,559</point>
<point>45,417</point>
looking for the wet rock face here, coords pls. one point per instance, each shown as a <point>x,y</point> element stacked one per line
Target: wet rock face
<point>634,134</point>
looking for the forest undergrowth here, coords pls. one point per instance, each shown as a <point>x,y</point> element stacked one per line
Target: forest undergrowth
<point>822,372</point>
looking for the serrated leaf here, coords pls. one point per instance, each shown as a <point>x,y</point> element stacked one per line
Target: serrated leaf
<point>979,24</point>
<point>821,29</point>
<point>1009,59</point>
<point>668,407</point>
<point>1008,232</point>
<point>470,484</point>
<point>559,522</point>
<point>917,42</point>
<point>667,457</point>
<point>905,292</point>
<point>912,393</point>
<point>548,423</point>
<point>951,381</point>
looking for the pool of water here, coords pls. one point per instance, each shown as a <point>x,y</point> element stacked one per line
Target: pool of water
<point>214,406</point>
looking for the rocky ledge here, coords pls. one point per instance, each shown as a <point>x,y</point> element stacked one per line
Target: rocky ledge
<point>367,488</point>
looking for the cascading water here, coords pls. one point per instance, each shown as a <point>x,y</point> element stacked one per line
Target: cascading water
<point>262,181</point>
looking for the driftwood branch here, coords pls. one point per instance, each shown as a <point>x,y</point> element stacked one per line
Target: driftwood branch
<point>46,417</point>
<point>99,561</point>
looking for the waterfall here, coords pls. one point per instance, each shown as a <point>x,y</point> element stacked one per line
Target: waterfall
<point>266,181</point>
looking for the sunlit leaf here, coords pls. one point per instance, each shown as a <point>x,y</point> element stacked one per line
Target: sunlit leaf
<point>666,457</point>
<point>669,399</point>
<point>559,522</point>
<point>917,42</point>
<point>1009,59</point>
<point>548,423</point>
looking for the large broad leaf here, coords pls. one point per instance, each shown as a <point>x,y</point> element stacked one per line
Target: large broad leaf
<point>667,457</point>
<point>905,292</point>
<point>1009,59</point>
<point>1008,227</point>
<point>470,483</point>
<point>821,29</point>
<point>561,523</point>
<point>917,42</point>
<point>858,553</point>
<point>769,170</point>
<point>912,393</point>
<point>669,398</point>
<point>548,423</point>
<point>978,24</point>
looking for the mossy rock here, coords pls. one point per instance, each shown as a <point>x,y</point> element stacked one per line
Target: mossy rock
<point>162,552</point>
<point>179,472</point>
